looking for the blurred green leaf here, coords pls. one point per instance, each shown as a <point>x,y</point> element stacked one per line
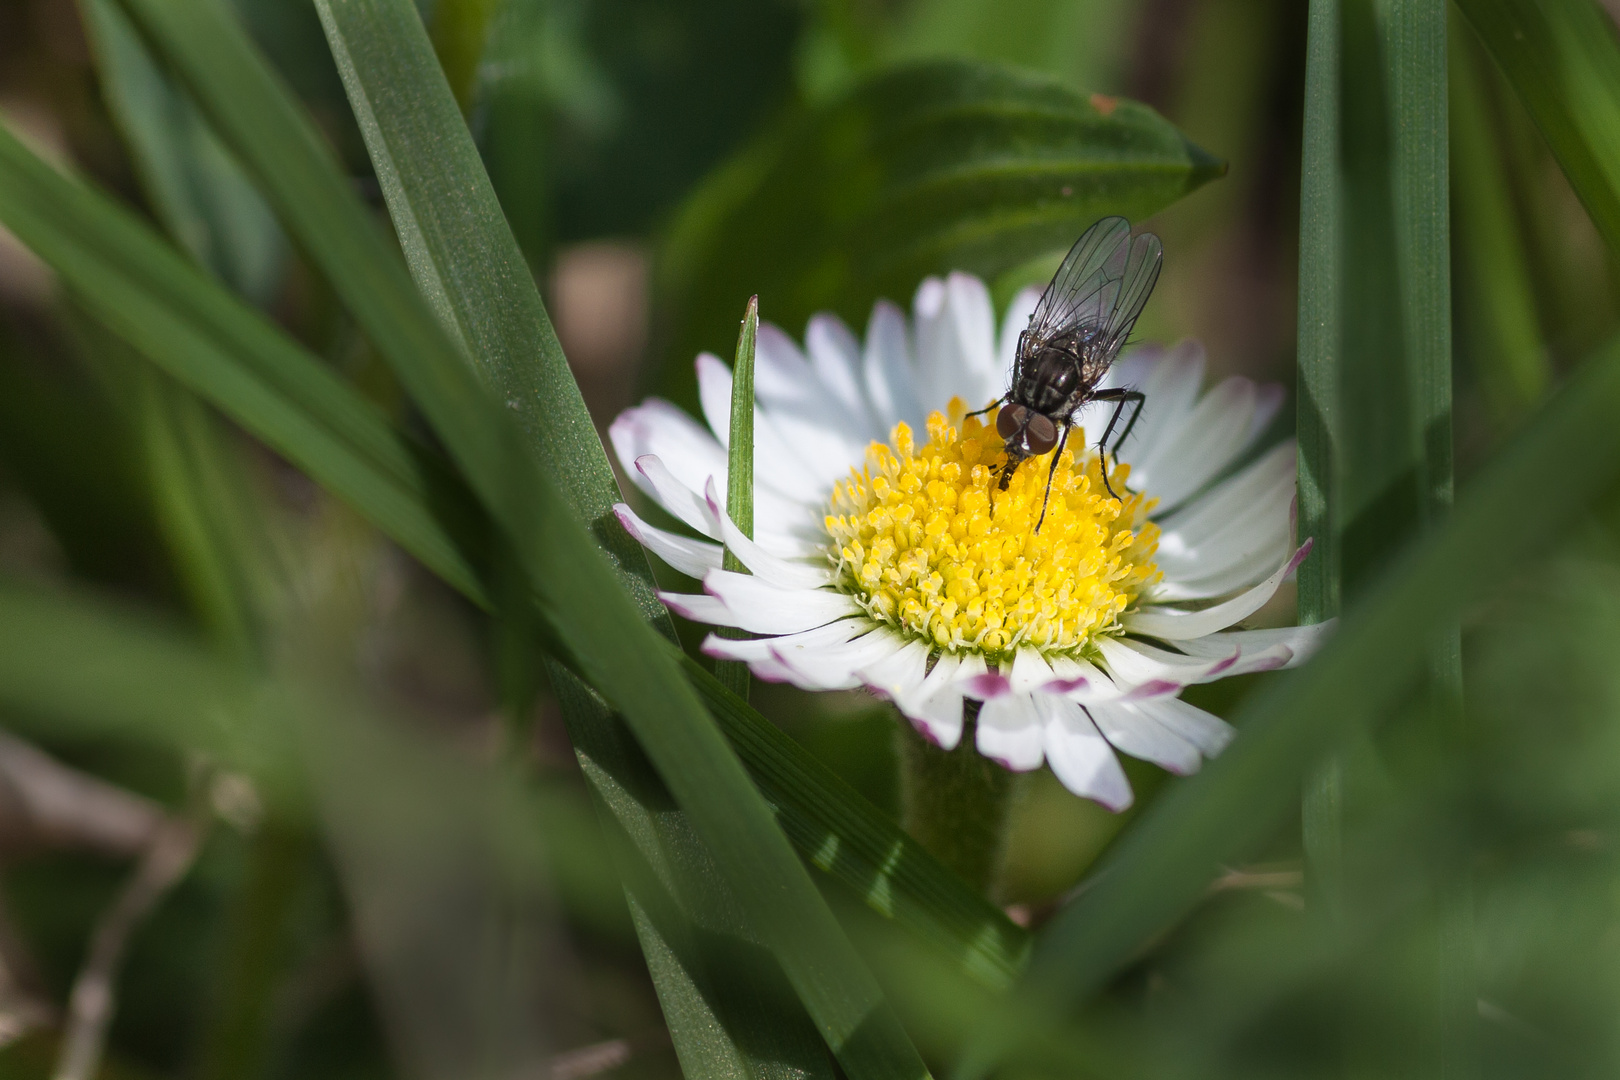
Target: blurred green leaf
<point>924,169</point>
<point>1566,455</point>
<point>466,261</point>
<point>197,190</point>
<point>1503,333</point>
<point>1563,60</point>
<point>225,352</point>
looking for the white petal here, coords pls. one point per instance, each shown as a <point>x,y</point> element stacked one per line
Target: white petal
<point>658,428</point>
<point>1170,379</point>
<point>656,479</point>
<point>694,558</point>
<point>1080,757</point>
<point>890,384</point>
<point>1269,399</point>
<point>1150,672</point>
<point>1212,515</point>
<point>751,649</point>
<point>1131,728</point>
<point>838,667</point>
<point>1208,732</point>
<point>768,567</point>
<point>1173,625</point>
<point>1300,641</point>
<point>835,357</point>
<point>776,465</point>
<point>1081,681</point>
<point>1029,670</point>
<point>754,606</point>
<point>698,607</point>
<point>956,342</point>
<point>714,395</point>
<point>1010,732</point>
<point>1014,324</point>
<point>935,707</point>
<point>899,674</point>
<point>1209,439</point>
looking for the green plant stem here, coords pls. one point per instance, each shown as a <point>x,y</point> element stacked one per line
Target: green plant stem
<point>955,803</point>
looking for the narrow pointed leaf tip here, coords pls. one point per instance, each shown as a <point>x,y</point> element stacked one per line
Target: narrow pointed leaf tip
<point>740,471</point>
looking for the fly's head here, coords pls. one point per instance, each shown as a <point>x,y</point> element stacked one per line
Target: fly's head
<point>1026,433</point>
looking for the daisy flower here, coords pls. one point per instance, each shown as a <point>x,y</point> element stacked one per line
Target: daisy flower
<point>884,558</point>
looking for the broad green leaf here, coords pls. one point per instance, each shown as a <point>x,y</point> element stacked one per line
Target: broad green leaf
<point>1158,871</point>
<point>924,169</point>
<point>1564,62</point>
<point>740,473</point>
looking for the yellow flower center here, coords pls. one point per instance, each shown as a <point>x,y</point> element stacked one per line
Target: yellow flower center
<point>924,542</point>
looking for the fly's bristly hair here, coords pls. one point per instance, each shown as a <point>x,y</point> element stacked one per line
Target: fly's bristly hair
<point>1073,337</point>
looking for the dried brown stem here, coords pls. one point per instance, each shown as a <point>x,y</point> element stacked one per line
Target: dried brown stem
<point>90,1006</point>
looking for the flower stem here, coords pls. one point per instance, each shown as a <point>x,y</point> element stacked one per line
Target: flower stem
<point>955,803</point>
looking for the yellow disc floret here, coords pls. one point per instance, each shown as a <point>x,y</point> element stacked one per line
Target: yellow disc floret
<point>924,542</point>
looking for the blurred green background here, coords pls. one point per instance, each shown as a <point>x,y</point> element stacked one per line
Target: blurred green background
<point>605,125</point>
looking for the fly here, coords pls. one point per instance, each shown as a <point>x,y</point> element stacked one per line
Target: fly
<point>1075,333</point>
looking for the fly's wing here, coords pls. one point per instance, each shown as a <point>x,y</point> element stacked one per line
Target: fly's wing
<point>1140,274</point>
<point>1098,292</point>
<point>1086,286</point>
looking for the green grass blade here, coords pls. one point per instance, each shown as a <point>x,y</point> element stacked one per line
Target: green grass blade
<point>1317,390</point>
<point>1158,871</point>
<point>465,261</point>
<point>595,624</point>
<point>226,353</point>
<point>1562,59</point>
<point>1504,338</point>
<point>190,327</point>
<point>1416,55</point>
<point>197,190</point>
<point>1421,147</point>
<point>931,167</point>
<point>740,473</point>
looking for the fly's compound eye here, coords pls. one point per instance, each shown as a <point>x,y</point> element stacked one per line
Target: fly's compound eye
<point>1009,420</point>
<point>1041,433</point>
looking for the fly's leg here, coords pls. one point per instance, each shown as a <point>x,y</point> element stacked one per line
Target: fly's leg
<point>1064,441</point>
<point>1121,398</point>
<point>987,408</point>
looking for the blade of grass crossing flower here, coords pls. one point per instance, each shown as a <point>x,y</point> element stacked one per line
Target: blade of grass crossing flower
<point>740,473</point>
<point>1504,340</point>
<point>1161,868</point>
<point>464,258</point>
<point>1563,61</point>
<point>229,355</point>
<point>1321,201</point>
<point>1420,125</point>
<point>587,611</point>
